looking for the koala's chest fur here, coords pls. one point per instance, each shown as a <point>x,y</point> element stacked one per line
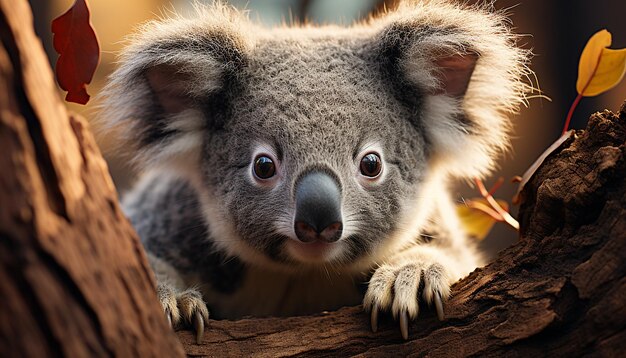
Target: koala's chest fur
<point>269,293</point>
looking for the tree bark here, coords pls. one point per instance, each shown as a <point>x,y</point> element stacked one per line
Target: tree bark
<point>560,291</point>
<point>74,280</point>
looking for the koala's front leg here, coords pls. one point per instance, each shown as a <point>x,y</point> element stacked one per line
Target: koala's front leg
<point>183,306</point>
<point>422,271</point>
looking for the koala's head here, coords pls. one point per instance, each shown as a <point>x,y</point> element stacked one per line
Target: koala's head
<point>318,145</point>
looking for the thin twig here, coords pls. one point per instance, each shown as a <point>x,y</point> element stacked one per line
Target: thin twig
<point>494,204</point>
<point>485,209</point>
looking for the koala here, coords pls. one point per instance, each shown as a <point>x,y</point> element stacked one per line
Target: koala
<point>302,168</point>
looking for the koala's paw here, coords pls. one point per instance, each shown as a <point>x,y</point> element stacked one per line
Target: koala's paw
<point>184,309</point>
<point>399,287</point>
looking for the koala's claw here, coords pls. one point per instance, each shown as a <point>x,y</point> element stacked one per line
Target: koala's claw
<point>399,288</point>
<point>374,318</point>
<point>186,309</point>
<point>404,324</point>
<point>439,306</point>
<point>198,325</point>
<point>168,315</point>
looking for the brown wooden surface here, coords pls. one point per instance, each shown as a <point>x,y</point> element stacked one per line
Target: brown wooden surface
<point>73,278</point>
<point>560,291</point>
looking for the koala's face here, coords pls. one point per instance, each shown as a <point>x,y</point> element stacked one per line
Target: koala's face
<point>318,160</point>
<point>312,145</point>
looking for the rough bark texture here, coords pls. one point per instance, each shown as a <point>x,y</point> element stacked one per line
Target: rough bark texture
<point>560,291</point>
<point>74,280</point>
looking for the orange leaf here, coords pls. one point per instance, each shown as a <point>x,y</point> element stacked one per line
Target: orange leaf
<point>600,68</point>
<point>77,45</point>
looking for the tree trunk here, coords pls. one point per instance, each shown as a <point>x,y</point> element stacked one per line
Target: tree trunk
<point>74,280</point>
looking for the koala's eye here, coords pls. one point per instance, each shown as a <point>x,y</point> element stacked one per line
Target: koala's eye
<point>371,165</point>
<point>264,167</point>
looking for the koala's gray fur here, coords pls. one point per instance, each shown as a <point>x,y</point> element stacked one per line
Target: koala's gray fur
<point>196,99</point>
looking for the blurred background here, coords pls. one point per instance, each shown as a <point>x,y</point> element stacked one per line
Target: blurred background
<point>555,30</point>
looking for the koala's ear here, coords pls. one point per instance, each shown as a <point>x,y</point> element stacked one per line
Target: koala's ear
<point>453,73</point>
<point>173,83</point>
<point>170,87</point>
<point>434,64</point>
<point>461,73</point>
<point>189,79</point>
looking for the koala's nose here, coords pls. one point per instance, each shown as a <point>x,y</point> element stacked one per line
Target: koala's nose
<point>318,208</point>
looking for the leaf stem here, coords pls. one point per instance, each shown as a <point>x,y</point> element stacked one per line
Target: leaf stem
<point>570,114</point>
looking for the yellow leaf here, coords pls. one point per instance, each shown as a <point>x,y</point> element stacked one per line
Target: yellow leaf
<point>476,222</point>
<point>600,68</point>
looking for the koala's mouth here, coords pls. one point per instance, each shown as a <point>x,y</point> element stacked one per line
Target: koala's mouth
<point>313,252</point>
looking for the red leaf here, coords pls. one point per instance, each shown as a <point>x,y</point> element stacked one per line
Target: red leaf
<point>77,45</point>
